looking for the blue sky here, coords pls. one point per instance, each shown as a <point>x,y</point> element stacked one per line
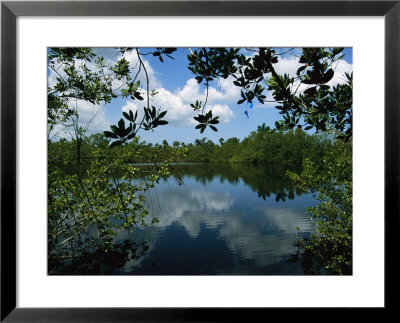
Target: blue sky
<point>177,88</point>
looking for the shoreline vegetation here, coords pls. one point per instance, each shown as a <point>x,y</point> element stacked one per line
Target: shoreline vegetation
<point>261,147</point>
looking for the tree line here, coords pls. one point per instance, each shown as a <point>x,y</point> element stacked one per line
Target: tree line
<point>264,145</point>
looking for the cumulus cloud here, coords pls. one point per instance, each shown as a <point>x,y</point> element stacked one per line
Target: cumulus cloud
<point>223,111</point>
<point>224,90</point>
<point>231,91</point>
<point>288,65</point>
<point>130,106</point>
<point>177,103</point>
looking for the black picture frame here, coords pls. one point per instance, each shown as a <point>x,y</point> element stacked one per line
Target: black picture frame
<point>10,10</point>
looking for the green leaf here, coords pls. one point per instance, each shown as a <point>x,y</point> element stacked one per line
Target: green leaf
<point>135,87</point>
<point>127,116</point>
<point>121,124</point>
<point>327,76</point>
<point>310,91</point>
<point>146,113</point>
<point>110,134</point>
<point>337,50</point>
<point>114,129</point>
<point>301,69</point>
<point>137,96</point>
<point>128,130</point>
<point>132,135</point>
<point>214,121</point>
<point>162,114</point>
<point>200,118</point>
<point>324,87</point>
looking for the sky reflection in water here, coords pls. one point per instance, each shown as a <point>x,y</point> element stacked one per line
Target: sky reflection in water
<point>220,224</point>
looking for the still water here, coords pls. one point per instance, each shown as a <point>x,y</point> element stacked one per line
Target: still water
<point>219,219</point>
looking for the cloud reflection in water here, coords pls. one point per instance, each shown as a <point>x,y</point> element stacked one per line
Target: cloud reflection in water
<point>258,237</point>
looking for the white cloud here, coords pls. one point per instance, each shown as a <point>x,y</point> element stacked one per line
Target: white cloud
<point>223,111</point>
<point>217,101</point>
<point>192,91</point>
<point>130,106</point>
<point>177,104</point>
<point>288,65</point>
<point>179,112</point>
<point>231,91</point>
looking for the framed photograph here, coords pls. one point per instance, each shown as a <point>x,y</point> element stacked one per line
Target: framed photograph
<point>171,181</point>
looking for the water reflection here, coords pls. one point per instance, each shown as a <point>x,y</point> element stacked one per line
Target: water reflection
<point>263,179</point>
<point>216,224</point>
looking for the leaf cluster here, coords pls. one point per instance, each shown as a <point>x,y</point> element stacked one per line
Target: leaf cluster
<point>151,120</point>
<point>331,182</point>
<point>205,120</point>
<point>159,52</point>
<point>211,63</point>
<point>319,106</point>
<point>132,91</point>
